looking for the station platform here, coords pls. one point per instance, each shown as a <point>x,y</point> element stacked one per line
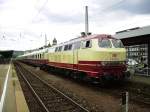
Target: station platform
<point>11,95</point>
<point>140,79</point>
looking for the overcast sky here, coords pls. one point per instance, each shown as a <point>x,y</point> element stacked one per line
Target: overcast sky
<point>24,23</point>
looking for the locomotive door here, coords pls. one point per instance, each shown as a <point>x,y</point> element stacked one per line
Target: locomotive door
<point>75,55</point>
<point>75,59</point>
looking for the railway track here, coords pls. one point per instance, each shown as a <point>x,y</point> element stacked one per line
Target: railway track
<point>33,104</point>
<point>49,98</point>
<point>137,94</point>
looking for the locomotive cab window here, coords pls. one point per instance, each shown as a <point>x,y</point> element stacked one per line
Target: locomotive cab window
<point>105,43</point>
<point>117,43</point>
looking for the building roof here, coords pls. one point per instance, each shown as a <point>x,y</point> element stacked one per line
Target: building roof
<point>133,32</point>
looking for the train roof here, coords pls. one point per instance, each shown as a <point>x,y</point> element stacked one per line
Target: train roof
<point>98,36</point>
<point>34,52</point>
<point>95,36</point>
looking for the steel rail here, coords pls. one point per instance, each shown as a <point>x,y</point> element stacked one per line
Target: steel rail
<point>38,98</point>
<point>52,87</point>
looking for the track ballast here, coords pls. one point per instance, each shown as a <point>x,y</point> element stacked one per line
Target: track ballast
<point>48,97</point>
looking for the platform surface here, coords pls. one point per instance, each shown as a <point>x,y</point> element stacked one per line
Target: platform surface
<point>140,79</point>
<point>14,100</point>
<point>3,72</point>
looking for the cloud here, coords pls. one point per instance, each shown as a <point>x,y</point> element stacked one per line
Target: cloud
<point>64,19</point>
<point>134,6</point>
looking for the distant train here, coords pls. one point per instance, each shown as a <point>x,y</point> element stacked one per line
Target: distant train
<point>96,57</point>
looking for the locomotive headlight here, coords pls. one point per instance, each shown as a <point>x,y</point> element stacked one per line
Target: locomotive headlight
<point>122,62</point>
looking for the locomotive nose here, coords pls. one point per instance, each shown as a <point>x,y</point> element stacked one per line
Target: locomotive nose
<point>113,56</point>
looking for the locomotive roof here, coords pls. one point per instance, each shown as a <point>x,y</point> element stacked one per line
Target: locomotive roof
<point>98,36</point>
<point>95,36</point>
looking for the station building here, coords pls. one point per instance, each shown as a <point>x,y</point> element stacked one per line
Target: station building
<point>137,42</point>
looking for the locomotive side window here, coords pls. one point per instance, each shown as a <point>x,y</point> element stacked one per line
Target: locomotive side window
<point>70,47</point>
<point>66,47</point>
<point>87,44</point>
<point>77,45</point>
<point>105,43</point>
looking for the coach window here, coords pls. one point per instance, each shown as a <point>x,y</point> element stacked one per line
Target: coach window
<point>56,49</point>
<point>40,56</point>
<point>60,48</point>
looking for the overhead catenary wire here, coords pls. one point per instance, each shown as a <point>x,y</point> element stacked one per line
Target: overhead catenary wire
<point>39,11</point>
